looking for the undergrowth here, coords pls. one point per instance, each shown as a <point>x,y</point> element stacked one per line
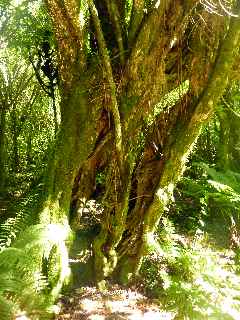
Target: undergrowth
<point>193,270</point>
<point>190,278</point>
<point>24,213</point>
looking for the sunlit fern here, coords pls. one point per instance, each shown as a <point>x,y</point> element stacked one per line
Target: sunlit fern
<point>25,286</point>
<point>219,7</point>
<point>25,215</point>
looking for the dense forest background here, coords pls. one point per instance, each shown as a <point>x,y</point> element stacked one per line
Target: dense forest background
<point>119,153</point>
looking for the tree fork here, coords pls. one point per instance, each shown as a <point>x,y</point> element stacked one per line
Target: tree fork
<point>174,164</point>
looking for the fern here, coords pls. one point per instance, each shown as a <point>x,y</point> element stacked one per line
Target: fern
<point>24,285</point>
<point>228,178</point>
<point>225,190</point>
<point>26,215</point>
<point>211,192</point>
<point>191,279</point>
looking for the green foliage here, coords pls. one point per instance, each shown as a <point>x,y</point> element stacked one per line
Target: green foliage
<point>22,215</point>
<point>25,24</point>
<point>128,10</point>
<point>227,187</point>
<point>190,208</point>
<point>204,192</point>
<point>25,287</point>
<point>191,280</point>
<point>28,127</point>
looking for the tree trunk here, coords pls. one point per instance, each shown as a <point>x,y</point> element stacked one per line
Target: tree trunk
<point>228,150</point>
<point>3,170</point>
<point>149,108</point>
<point>224,136</point>
<point>127,234</point>
<point>15,134</point>
<point>73,144</point>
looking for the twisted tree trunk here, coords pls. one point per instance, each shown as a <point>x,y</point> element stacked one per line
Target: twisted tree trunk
<point>132,107</point>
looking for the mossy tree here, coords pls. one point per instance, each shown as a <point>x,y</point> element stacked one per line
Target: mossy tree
<point>138,80</point>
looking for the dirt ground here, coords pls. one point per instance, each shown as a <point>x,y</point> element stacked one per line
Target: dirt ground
<point>89,303</point>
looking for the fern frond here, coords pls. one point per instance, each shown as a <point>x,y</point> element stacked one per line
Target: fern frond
<point>33,270</point>
<point>26,215</point>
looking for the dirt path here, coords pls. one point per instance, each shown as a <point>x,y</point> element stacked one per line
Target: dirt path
<point>88,303</point>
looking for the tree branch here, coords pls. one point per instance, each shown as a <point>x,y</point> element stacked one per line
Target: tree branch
<point>115,17</point>
<point>108,69</point>
<point>219,77</point>
<point>148,32</point>
<point>40,81</point>
<point>136,19</point>
<point>70,39</point>
<point>182,141</point>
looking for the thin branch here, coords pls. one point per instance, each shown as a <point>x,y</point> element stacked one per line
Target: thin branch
<point>136,19</point>
<point>100,146</point>
<point>210,4</point>
<point>41,82</point>
<point>108,69</point>
<point>115,17</point>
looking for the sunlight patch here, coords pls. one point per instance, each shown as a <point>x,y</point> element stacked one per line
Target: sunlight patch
<point>227,307</point>
<point>90,305</point>
<point>219,186</point>
<point>17,2</point>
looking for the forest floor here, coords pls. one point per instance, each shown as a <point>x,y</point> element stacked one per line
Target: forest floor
<point>216,288</point>
<point>117,303</point>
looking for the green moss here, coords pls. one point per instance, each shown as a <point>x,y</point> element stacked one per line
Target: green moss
<point>126,270</point>
<point>127,104</point>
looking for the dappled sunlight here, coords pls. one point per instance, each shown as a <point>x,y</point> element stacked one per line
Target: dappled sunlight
<point>17,2</point>
<point>192,278</point>
<point>57,232</point>
<point>228,308</point>
<point>116,303</point>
